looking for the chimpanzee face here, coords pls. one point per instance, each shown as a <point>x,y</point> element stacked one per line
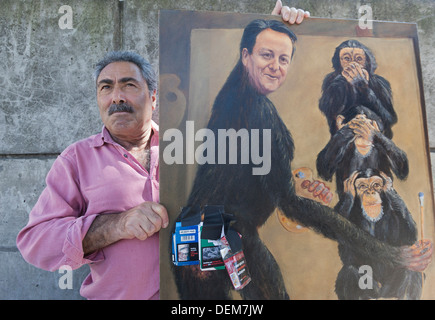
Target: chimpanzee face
<point>369,190</point>
<point>352,55</point>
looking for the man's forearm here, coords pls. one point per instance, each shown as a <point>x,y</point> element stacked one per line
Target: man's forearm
<point>103,231</point>
<point>139,222</point>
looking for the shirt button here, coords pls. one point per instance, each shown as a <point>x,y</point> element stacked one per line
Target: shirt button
<point>125,155</point>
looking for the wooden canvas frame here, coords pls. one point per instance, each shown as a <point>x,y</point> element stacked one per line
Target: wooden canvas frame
<point>197,52</point>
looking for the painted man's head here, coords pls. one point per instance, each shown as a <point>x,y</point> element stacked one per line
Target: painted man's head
<point>266,50</point>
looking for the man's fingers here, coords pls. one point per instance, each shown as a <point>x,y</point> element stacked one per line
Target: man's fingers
<point>153,220</point>
<point>300,16</point>
<point>277,9</point>
<point>144,220</point>
<point>145,226</point>
<point>162,213</point>
<point>136,231</point>
<point>291,15</point>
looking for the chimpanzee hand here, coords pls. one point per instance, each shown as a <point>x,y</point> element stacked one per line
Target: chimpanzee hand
<point>356,75</point>
<point>363,127</point>
<point>349,184</point>
<point>418,256</point>
<point>388,182</point>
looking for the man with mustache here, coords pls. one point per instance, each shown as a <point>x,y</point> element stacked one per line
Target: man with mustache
<point>100,206</point>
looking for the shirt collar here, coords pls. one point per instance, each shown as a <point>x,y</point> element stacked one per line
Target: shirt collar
<point>105,137</point>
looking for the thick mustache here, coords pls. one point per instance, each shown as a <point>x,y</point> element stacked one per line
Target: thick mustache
<point>123,107</point>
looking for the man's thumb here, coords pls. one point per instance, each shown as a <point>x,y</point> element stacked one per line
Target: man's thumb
<point>278,7</point>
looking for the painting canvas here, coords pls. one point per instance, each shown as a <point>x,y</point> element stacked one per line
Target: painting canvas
<point>302,162</point>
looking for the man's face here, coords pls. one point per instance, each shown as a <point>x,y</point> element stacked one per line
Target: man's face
<point>270,59</point>
<point>121,83</point>
<point>352,55</point>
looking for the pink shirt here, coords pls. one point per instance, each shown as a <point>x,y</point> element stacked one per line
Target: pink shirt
<point>91,177</point>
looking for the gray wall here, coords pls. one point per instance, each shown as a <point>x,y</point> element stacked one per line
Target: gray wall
<point>47,97</point>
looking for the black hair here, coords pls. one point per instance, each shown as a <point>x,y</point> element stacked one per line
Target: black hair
<point>144,66</point>
<point>255,27</point>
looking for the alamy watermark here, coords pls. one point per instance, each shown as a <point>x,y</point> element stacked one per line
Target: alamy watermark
<point>66,20</point>
<point>181,150</point>
<point>365,17</point>
<point>366,280</point>
<point>65,281</point>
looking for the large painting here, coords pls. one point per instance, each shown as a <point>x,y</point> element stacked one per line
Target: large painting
<point>294,160</point>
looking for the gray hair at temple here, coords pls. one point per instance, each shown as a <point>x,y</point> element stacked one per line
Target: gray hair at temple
<point>144,66</point>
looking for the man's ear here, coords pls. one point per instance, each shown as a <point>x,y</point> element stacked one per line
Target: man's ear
<point>245,55</point>
<point>154,99</point>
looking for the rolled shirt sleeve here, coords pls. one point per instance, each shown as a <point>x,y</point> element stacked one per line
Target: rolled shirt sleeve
<point>57,224</point>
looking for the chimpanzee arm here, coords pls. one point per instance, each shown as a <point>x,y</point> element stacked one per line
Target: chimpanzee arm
<point>378,97</point>
<point>344,205</point>
<point>333,226</point>
<point>279,184</point>
<point>335,96</point>
<point>397,157</point>
<point>329,159</point>
<point>407,226</point>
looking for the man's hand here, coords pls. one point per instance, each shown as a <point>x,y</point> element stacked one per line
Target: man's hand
<point>140,222</point>
<point>291,15</point>
<point>318,191</point>
<point>143,221</point>
<point>307,187</point>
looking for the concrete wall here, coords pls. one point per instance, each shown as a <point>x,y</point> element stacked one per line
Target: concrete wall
<point>47,97</point>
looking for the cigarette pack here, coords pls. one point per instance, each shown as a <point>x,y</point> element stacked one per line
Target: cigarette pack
<point>185,246</point>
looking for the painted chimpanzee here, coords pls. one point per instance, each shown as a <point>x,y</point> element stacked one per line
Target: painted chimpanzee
<point>359,144</point>
<point>354,82</point>
<point>266,50</point>
<point>372,204</point>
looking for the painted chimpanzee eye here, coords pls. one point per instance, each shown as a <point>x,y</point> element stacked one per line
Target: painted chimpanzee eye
<point>362,187</point>
<point>376,186</point>
<point>359,59</point>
